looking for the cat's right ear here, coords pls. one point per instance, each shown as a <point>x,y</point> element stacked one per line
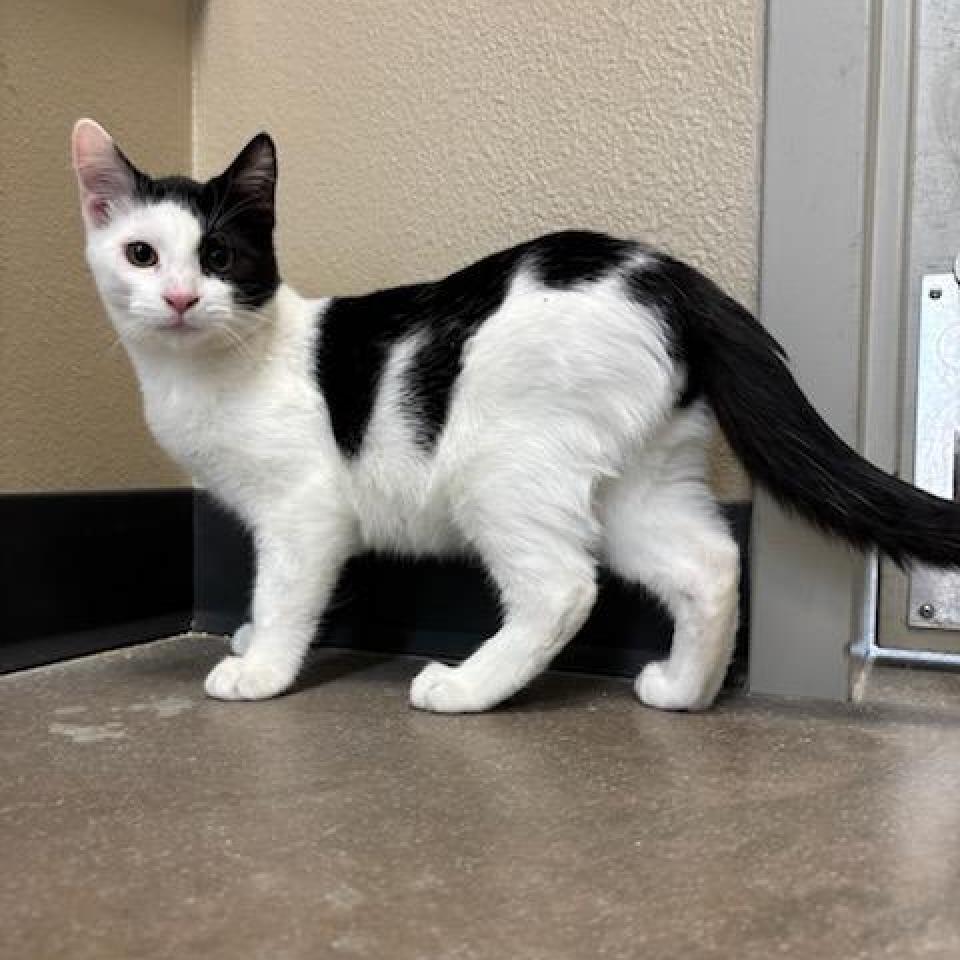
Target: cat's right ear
<point>106,177</point>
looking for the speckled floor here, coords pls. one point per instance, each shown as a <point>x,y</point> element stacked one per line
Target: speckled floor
<point>139,820</point>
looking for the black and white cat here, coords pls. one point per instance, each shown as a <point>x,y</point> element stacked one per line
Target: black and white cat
<point>545,409</point>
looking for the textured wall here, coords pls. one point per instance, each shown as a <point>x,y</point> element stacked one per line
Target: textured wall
<point>416,135</point>
<point>69,408</point>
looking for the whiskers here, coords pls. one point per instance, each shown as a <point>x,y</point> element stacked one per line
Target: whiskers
<point>147,313</point>
<point>230,329</point>
<point>115,345</point>
<point>236,343</point>
<point>125,332</point>
<point>226,321</point>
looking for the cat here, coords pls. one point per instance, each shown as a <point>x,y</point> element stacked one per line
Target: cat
<point>545,410</point>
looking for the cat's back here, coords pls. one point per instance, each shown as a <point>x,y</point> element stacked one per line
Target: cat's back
<point>440,319</point>
<point>537,346</point>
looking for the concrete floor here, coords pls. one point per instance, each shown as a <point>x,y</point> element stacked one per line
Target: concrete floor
<point>139,820</point>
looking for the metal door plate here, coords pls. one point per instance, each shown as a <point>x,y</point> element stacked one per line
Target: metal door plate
<point>934,596</point>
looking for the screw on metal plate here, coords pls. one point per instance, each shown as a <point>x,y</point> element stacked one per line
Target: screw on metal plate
<point>926,610</point>
<point>936,293</point>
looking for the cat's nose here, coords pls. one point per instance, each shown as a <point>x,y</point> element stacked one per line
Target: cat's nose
<point>181,300</point>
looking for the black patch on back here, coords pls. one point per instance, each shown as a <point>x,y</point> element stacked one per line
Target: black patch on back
<point>358,333</point>
<point>356,336</point>
<point>223,211</point>
<point>691,305</point>
<point>667,287</point>
<point>577,256</point>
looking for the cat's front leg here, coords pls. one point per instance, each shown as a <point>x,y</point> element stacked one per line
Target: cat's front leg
<point>299,557</point>
<point>240,641</point>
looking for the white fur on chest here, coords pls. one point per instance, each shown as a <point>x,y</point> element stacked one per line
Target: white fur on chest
<point>234,437</point>
<point>252,433</point>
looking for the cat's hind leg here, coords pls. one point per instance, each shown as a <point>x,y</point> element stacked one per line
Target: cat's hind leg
<point>539,559</point>
<point>670,536</point>
<point>543,610</point>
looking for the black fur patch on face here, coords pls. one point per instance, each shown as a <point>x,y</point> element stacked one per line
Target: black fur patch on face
<point>358,333</point>
<point>236,210</point>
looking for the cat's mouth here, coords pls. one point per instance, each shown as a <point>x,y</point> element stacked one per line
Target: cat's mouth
<point>179,325</point>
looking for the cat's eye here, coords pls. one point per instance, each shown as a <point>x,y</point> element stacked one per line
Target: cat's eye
<point>141,254</point>
<point>217,255</point>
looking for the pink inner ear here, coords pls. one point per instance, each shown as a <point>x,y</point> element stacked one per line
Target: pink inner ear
<point>106,177</point>
<point>98,210</point>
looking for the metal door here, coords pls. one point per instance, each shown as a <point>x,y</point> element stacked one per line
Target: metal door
<point>919,611</point>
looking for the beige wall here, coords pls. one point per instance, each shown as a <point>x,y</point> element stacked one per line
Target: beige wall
<point>416,135</point>
<point>69,408</point>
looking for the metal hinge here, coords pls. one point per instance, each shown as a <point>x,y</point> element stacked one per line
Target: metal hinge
<point>934,595</point>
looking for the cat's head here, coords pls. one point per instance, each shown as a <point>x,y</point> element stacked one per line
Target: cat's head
<point>178,262</point>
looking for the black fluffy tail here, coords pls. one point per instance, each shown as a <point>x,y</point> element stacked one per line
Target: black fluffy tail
<point>781,440</point>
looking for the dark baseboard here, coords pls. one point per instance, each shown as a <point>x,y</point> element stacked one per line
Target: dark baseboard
<point>84,572</point>
<point>438,609</point>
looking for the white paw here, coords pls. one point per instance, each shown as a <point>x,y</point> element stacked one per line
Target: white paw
<point>443,689</point>
<point>240,678</point>
<point>240,641</point>
<point>657,688</point>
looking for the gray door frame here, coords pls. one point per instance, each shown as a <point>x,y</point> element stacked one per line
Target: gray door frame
<point>837,107</point>
<point>931,222</point>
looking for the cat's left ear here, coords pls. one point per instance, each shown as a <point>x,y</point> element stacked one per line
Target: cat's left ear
<point>106,178</point>
<point>252,177</point>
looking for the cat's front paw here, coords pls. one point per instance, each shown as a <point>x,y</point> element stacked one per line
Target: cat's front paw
<point>444,689</point>
<point>657,688</point>
<point>240,641</point>
<point>243,678</point>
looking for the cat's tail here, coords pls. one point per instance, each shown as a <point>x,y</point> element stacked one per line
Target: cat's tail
<point>782,441</point>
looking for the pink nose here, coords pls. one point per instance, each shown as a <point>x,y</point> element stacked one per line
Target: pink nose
<point>181,300</point>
